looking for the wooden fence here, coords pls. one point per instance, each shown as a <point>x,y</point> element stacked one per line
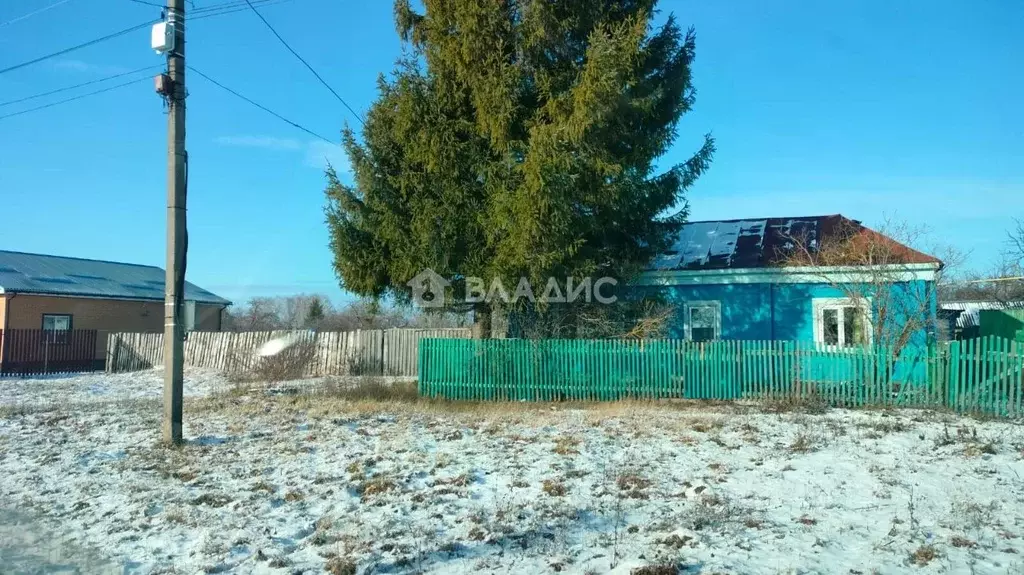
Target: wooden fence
<point>379,351</point>
<point>984,375</point>
<point>37,351</point>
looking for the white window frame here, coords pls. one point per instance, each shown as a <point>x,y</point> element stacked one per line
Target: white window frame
<point>54,335</point>
<point>715,305</point>
<point>820,304</point>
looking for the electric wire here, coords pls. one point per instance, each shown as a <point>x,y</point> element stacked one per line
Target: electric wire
<point>148,3</point>
<point>79,46</point>
<point>71,99</point>
<point>83,84</point>
<point>301,59</point>
<point>260,106</point>
<point>33,13</point>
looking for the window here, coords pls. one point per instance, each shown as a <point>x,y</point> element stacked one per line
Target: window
<point>841,322</point>
<point>703,320</point>
<point>56,327</point>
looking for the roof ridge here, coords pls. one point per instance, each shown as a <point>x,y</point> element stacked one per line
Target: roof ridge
<point>79,259</point>
<point>767,218</point>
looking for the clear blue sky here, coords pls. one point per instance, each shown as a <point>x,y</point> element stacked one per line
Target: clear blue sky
<point>865,108</point>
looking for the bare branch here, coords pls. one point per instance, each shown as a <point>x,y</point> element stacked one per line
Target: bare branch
<point>1017,241</point>
<point>883,260</point>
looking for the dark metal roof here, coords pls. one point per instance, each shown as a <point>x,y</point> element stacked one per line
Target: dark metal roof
<point>756,243</point>
<point>56,275</point>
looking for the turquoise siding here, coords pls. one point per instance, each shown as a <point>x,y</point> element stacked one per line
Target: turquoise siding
<point>785,312</point>
<point>782,311</point>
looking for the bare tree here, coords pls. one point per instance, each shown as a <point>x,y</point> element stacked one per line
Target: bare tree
<point>646,318</point>
<point>258,314</point>
<point>1016,250</point>
<point>1003,284</point>
<point>874,269</point>
<point>315,311</point>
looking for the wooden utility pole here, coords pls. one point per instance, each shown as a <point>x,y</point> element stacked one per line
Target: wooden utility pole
<point>174,360</point>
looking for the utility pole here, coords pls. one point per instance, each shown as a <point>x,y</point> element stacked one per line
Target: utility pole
<point>174,360</point>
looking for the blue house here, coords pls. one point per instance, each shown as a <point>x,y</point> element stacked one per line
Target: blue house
<point>822,279</point>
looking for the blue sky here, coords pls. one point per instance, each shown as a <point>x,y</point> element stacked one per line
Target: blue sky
<point>872,109</point>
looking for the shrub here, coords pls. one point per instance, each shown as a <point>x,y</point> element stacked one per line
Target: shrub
<point>290,363</point>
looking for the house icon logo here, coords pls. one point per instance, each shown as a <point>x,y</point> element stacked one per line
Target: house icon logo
<point>428,289</point>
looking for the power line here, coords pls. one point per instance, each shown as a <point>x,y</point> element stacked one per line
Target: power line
<point>72,99</point>
<point>33,13</point>
<point>296,54</point>
<point>148,3</point>
<point>228,8</point>
<point>260,106</point>
<point>80,46</point>
<point>66,88</point>
<point>225,5</point>
<point>205,9</point>
<point>211,14</point>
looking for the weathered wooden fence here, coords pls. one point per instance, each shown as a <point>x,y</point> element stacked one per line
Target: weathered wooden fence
<point>37,351</point>
<point>985,374</point>
<point>378,351</point>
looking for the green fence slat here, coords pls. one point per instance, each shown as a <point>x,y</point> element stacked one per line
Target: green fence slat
<point>1002,389</point>
<point>764,368</point>
<point>1017,381</point>
<point>981,393</point>
<point>985,377</point>
<point>982,375</point>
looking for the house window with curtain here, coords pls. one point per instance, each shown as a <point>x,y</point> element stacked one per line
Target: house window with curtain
<point>841,322</point>
<point>56,327</point>
<point>703,321</point>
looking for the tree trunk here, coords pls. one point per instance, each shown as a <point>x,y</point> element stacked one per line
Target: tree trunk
<point>482,322</point>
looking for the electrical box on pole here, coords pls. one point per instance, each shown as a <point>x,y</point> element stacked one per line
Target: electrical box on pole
<point>163,37</point>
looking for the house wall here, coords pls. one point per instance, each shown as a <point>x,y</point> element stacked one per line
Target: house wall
<point>25,311</point>
<point>784,311</point>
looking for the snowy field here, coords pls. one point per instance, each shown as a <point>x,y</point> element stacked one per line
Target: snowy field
<point>313,483</point>
<point>53,390</point>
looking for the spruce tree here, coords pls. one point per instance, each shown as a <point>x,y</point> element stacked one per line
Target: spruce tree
<point>314,313</point>
<point>517,138</point>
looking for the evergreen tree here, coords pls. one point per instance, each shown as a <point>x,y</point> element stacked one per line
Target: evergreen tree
<point>517,138</point>
<point>314,313</point>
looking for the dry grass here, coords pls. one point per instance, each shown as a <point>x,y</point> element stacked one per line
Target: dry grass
<point>632,482</point>
<point>962,542</point>
<point>566,446</point>
<point>371,396</point>
<point>177,515</point>
<point>340,566</point>
<point>554,487</point>
<point>376,485</point>
<point>659,569</point>
<point>263,486</point>
<point>974,515</point>
<point>706,424</point>
<point>923,555</point>
<point>805,441</point>
<point>368,389</point>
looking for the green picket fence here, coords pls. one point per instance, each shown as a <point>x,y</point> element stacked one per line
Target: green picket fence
<point>984,375</point>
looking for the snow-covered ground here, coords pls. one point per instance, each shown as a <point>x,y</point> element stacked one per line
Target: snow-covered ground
<point>53,390</point>
<point>290,483</point>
